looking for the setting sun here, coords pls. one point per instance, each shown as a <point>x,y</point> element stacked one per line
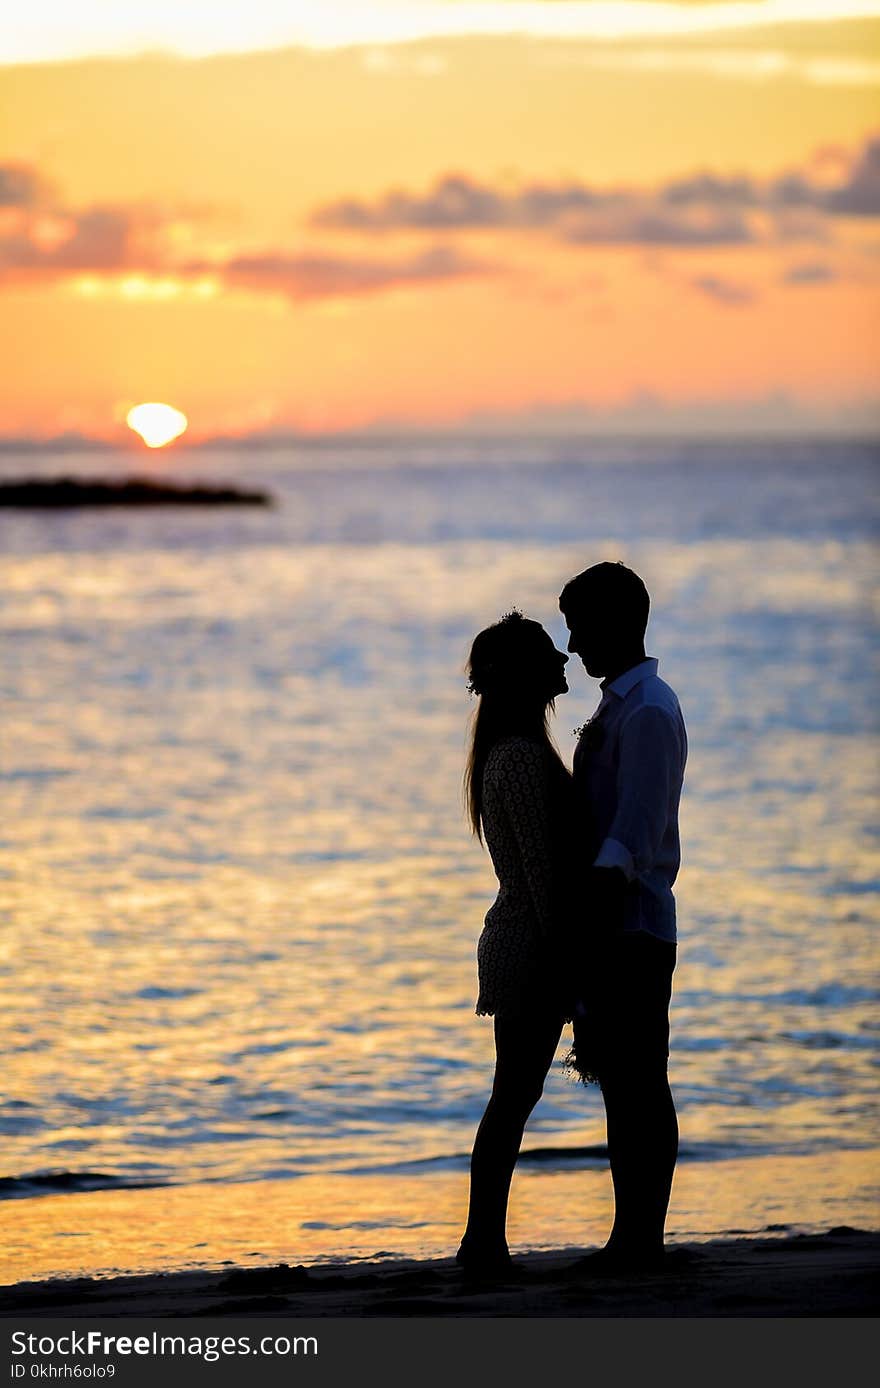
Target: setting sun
<point>157,424</point>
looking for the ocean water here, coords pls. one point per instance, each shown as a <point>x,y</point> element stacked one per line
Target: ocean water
<point>240,901</point>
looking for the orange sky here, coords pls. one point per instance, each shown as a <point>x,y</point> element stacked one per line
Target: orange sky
<point>456,228</point>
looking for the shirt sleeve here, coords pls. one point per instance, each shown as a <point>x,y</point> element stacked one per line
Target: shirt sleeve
<point>523,781</point>
<point>650,760</point>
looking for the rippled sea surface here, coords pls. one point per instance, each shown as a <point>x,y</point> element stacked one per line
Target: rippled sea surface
<point>240,902</point>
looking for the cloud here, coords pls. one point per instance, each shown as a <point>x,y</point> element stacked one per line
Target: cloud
<point>455,201</point>
<point>723,291</point>
<point>40,239</point>
<point>656,227</point>
<point>708,189</point>
<point>322,276</point>
<point>859,196</point>
<point>22,186</point>
<point>813,273</point>
<point>100,238</point>
<point>731,64</point>
<point>104,238</point>
<point>794,190</point>
<point>702,209</point>
<point>383,61</point>
<point>459,202</point>
<point>576,212</point>
<point>40,235</point>
<point>46,30</point>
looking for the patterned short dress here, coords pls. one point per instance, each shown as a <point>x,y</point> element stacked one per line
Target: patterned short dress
<point>526,803</point>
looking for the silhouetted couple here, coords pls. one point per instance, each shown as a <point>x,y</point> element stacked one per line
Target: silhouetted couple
<point>583,927</point>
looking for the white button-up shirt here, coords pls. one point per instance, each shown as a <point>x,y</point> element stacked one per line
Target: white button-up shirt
<point>628,774</point>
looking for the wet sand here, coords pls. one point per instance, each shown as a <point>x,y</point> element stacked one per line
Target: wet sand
<point>831,1274</point>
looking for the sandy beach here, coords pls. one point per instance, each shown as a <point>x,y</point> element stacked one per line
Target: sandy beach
<point>831,1274</point>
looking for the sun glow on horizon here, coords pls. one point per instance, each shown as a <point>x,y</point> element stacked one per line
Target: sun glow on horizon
<point>156,423</point>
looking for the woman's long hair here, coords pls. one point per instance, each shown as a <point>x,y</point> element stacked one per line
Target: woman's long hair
<point>512,702</point>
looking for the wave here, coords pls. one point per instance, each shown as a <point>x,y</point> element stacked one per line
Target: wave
<point>560,1157</point>
<point>68,1182</point>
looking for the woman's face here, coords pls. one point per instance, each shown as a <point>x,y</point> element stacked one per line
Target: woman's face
<point>549,668</point>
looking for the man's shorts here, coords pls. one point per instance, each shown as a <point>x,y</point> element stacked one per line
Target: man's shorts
<point>627,1004</point>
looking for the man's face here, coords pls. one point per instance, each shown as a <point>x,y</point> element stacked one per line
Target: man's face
<point>590,639</point>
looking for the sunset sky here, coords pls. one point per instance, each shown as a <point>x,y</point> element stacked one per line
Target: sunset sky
<point>363,215</point>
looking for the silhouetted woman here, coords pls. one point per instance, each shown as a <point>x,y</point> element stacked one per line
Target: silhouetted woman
<point>519,800</point>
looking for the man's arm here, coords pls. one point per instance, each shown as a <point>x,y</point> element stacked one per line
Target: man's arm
<point>649,760</point>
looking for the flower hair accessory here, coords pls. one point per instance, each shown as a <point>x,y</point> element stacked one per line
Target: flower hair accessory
<point>475,682</point>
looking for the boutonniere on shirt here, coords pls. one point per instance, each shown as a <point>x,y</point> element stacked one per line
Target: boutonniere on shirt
<point>590,735</point>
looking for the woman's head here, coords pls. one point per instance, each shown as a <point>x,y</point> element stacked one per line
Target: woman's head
<point>516,671</point>
<point>514,664</point>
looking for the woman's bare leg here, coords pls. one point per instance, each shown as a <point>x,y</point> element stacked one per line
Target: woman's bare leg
<point>524,1049</point>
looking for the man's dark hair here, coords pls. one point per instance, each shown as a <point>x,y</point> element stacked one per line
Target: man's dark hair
<point>617,590</point>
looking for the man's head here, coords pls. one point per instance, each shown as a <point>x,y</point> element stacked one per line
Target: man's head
<point>606,611</point>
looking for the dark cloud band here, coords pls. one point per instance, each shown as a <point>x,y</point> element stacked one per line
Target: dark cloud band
<point>705,209</point>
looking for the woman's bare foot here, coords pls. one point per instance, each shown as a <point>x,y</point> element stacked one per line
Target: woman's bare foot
<point>481,1260</point>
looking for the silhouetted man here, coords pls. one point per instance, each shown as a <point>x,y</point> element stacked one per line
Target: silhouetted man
<point>628,772</point>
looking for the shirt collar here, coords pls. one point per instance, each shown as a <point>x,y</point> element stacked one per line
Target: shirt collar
<point>630,678</point>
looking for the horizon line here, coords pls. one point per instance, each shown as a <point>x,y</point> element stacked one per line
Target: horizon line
<point>71,441</point>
